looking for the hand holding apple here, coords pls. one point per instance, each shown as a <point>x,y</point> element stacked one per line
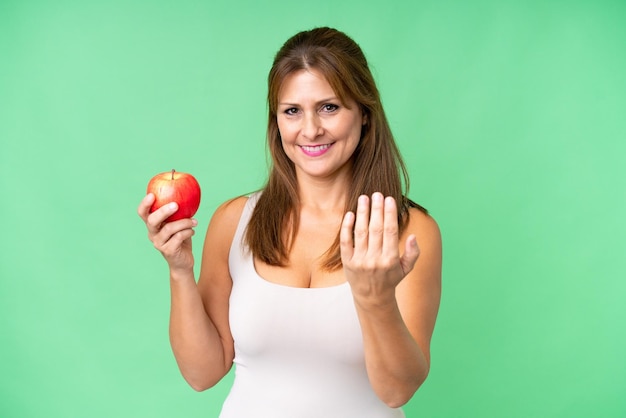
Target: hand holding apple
<point>173,186</point>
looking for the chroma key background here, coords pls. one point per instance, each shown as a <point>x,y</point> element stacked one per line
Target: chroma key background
<point>512,120</point>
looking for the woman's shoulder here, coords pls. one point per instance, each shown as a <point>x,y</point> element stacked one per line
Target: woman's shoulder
<point>230,211</point>
<point>423,225</point>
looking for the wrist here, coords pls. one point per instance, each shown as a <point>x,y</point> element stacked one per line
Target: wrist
<point>182,275</point>
<point>385,302</point>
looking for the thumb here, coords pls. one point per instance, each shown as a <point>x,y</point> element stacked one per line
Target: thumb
<point>411,254</point>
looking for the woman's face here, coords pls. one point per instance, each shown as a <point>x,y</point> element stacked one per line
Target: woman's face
<point>318,132</point>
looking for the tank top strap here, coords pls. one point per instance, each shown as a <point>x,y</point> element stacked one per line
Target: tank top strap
<point>239,254</point>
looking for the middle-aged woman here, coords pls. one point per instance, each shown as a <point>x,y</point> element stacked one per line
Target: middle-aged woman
<point>314,287</point>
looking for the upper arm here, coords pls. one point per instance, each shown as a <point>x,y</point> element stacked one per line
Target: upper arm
<point>419,293</point>
<point>215,283</point>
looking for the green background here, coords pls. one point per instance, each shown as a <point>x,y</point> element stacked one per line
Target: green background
<point>512,119</point>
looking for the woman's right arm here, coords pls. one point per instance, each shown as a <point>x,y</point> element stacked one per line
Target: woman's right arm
<point>199,329</point>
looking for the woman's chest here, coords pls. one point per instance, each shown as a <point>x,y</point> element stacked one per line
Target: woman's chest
<point>270,320</point>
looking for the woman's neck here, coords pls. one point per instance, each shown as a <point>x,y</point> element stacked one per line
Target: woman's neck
<point>323,195</point>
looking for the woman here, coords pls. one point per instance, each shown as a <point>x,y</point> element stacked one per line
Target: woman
<point>315,287</point>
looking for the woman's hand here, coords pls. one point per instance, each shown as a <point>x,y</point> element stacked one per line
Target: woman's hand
<point>172,239</point>
<point>396,296</point>
<point>370,250</point>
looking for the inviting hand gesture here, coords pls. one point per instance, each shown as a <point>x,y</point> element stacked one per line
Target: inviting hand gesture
<point>370,249</point>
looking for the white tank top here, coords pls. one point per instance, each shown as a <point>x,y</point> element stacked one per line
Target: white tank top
<point>298,351</point>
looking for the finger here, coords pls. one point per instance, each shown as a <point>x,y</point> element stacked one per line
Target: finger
<point>391,240</point>
<point>176,241</point>
<point>411,254</point>
<point>346,242</point>
<point>361,225</point>
<point>167,233</point>
<point>155,219</point>
<point>144,207</point>
<point>376,225</point>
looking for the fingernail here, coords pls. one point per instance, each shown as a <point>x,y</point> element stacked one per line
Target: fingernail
<point>194,222</point>
<point>378,197</point>
<point>172,206</point>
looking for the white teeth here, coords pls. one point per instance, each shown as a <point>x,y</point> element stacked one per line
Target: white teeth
<point>317,148</point>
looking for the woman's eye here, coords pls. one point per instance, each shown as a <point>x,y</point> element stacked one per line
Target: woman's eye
<point>291,111</point>
<point>329,107</point>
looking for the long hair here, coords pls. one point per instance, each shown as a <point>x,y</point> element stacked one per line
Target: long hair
<point>377,165</point>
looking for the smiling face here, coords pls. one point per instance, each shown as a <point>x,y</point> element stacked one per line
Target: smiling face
<point>319,133</point>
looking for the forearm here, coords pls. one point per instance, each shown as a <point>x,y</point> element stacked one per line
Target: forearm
<point>396,365</point>
<point>195,341</point>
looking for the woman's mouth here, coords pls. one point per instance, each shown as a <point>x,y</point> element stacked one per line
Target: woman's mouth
<point>315,150</point>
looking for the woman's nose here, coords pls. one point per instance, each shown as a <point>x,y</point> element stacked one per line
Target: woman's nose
<point>312,126</point>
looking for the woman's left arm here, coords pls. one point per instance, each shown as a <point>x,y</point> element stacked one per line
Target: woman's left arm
<point>396,286</point>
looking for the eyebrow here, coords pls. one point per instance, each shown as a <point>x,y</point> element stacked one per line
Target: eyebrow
<point>330,99</point>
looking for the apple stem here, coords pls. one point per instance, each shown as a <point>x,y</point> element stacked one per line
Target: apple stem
<point>173,174</point>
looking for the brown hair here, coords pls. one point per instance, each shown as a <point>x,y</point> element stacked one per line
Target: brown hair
<point>376,163</point>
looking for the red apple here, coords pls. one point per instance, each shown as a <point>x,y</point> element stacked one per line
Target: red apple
<point>173,186</point>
